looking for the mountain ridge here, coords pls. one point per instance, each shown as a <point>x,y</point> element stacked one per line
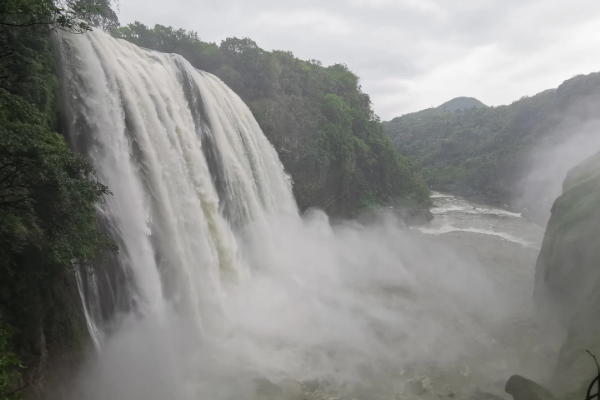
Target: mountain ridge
<point>497,154</point>
<point>460,103</point>
<point>453,105</point>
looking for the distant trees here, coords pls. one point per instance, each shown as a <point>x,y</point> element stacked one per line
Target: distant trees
<point>318,119</point>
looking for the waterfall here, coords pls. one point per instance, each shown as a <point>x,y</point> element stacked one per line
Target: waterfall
<point>186,162</point>
<point>219,288</point>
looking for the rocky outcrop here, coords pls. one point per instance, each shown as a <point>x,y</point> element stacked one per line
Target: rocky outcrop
<point>524,389</point>
<point>567,282</point>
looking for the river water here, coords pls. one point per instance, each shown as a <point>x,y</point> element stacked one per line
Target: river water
<point>506,246</point>
<point>504,243</point>
<point>454,214</point>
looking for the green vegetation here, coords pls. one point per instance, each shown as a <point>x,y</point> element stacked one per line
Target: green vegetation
<point>460,103</point>
<point>318,119</point>
<point>484,152</point>
<point>47,193</point>
<point>9,366</point>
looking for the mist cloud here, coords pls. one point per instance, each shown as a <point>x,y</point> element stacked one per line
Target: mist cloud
<point>350,304</point>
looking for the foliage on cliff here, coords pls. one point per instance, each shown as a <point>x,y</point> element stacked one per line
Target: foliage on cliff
<point>320,122</point>
<point>567,280</point>
<point>484,152</point>
<point>47,193</point>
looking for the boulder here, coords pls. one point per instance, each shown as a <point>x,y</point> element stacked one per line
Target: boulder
<point>524,389</point>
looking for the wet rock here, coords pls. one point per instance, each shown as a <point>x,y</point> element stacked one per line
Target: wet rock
<point>567,279</point>
<point>524,389</point>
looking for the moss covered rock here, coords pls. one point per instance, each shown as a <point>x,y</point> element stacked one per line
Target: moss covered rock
<point>567,283</point>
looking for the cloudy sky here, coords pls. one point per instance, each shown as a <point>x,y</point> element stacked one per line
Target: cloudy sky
<point>410,54</point>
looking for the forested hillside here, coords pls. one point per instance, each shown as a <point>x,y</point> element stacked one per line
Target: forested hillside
<point>487,152</point>
<point>460,103</point>
<point>320,122</point>
<point>47,195</point>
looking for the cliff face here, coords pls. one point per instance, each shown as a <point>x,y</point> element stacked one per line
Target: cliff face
<point>567,283</point>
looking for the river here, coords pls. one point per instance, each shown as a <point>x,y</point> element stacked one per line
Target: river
<point>506,246</point>
<point>503,242</point>
<point>454,214</point>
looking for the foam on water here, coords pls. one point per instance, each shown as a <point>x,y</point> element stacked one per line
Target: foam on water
<point>449,229</point>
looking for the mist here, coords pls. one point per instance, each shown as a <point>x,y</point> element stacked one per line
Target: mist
<point>571,140</point>
<point>376,309</point>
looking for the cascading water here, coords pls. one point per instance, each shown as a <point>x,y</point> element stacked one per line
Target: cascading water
<point>219,284</point>
<point>180,151</point>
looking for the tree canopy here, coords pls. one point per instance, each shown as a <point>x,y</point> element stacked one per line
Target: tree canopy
<point>48,194</point>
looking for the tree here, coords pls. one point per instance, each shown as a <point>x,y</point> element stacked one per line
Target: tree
<point>47,193</point>
<point>25,26</point>
<point>9,365</point>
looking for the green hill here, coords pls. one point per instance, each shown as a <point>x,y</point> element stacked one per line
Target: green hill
<point>458,103</point>
<point>461,103</point>
<point>486,152</point>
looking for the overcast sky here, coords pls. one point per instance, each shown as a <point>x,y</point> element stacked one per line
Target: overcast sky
<point>409,54</point>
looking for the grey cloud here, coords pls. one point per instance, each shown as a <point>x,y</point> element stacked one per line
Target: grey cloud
<point>500,49</point>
